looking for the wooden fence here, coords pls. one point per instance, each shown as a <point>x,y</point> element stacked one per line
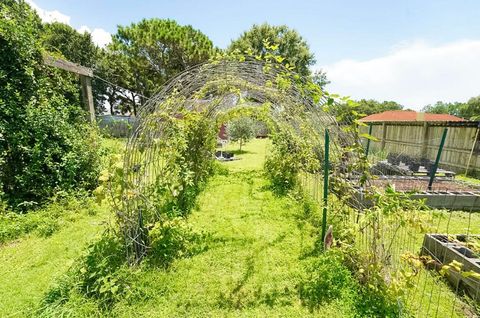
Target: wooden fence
<point>422,139</point>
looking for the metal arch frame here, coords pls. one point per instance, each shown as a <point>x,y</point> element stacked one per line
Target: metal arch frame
<point>247,76</point>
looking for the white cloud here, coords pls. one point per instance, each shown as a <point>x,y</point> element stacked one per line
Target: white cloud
<point>49,16</point>
<point>99,36</point>
<point>414,74</point>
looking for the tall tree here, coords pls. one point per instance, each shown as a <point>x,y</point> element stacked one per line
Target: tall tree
<point>241,130</point>
<point>469,110</point>
<point>74,46</point>
<point>291,45</point>
<point>371,106</point>
<point>472,109</point>
<point>319,77</point>
<point>151,52</point>
<point>444,108</point>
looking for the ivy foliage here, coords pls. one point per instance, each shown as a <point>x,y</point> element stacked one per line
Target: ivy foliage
<point>45,143</point>
<point>63,41</point>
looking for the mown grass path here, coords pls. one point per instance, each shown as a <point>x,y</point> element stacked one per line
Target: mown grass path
<point>28,266</point>
<point>253,262</point>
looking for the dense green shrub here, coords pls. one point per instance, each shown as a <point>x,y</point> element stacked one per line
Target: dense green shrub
<point>171,240</point>
<point>326,279</point>
<point>372,302</point>
<point>46,220</point>
<point>289,156</point>
<point>45,143</point>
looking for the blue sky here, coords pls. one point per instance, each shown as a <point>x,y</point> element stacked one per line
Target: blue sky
<point>352,40</point>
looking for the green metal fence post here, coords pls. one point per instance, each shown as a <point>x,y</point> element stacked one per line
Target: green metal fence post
<point>325,183</point>
<point>368,140</point>
<point>437,160</point>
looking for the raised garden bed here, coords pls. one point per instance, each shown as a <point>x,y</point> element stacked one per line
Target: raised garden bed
<point>408,167</point>
<point>445,194</point>
<point>421,184</point>
<point>225,156</point>
<point>461,248</point>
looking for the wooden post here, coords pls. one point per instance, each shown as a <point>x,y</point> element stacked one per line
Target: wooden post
<point>87,96</point>
<point>368,140</point>
<point>85,74</point>
<point>424,149</point>
<point>384,135</point>
<point>471,151</point>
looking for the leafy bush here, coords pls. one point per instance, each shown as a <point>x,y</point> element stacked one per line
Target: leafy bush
<point>326,279</point>
<point>373,302</point>
<point>103,276</point>
<point>97,270</point>
<point>45,143</point>
<point>290,155</point>
<point>170,240</point>
<point>46,220</point>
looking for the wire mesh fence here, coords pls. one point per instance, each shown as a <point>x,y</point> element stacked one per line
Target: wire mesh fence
<point>391,229</point>
<point>439,247</point>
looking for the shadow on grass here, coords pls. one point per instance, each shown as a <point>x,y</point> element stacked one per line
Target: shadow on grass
<point>234,299</point>
<point>170,248</point>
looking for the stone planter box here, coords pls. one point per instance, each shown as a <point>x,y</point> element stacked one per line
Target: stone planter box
<point>450,200</point>
<point>444,251</point>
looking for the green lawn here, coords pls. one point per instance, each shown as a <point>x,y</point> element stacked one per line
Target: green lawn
<point>257,246</point>
<point>31,262</point>
<point>252,265</point>
<point>29,265</point>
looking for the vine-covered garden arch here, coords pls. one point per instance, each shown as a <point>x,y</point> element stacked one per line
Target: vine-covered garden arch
<point>170,153</point>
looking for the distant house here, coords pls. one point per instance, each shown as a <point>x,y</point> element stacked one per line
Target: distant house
<point>410,116</point>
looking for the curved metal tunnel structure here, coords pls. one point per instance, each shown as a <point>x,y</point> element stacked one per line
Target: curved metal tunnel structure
<point>214,89</point>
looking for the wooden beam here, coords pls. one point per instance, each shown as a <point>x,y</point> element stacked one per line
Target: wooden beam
<point>86,75</point>
<point>67,66</point>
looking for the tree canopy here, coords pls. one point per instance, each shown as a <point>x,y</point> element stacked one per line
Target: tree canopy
<point>289,44</point>
<point>319,77</point>
<point>241,130</point>
<point>44,138</point>
<point>148,53</point>
<point>74,46</point>
<point>371,106</point>
<point>469,110</point>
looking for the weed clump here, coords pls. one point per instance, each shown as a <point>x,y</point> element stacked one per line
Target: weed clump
<point>100,275</point>
<point>326,279</point>
<point>171,240</point>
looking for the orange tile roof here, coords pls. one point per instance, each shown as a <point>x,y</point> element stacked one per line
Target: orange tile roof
<point>410,115</point>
